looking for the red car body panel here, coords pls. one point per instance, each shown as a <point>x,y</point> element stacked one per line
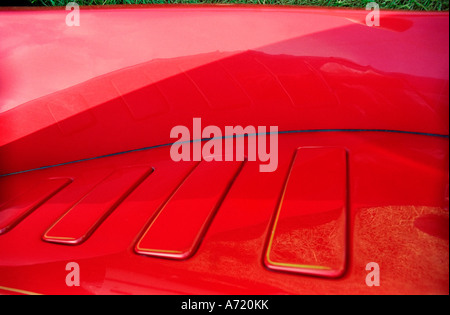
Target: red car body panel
<point>86,175</point>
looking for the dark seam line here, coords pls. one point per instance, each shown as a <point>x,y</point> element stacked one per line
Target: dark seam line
<point>233,136</point>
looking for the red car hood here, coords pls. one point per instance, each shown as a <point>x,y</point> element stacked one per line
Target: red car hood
<point>86,114</point>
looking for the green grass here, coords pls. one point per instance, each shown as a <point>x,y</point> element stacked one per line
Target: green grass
<point>422,5</point>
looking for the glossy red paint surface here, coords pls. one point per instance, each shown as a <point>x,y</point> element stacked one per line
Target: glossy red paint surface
<point>297,69</point>
<point>395,183</point>
<point>322,76</point>
<point>179,226</point>
<point>95,206</point>
<point>18,208</point>
<point>309,234</point>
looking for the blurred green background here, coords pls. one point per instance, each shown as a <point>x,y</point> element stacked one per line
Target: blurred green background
<point>422,5</point>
